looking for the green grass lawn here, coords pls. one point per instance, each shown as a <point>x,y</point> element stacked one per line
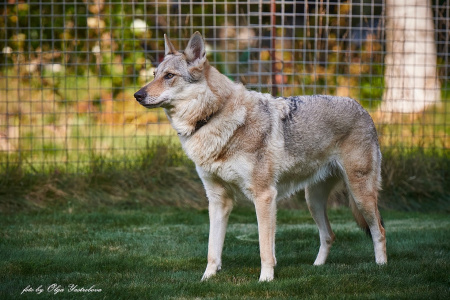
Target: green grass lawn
<point>160,253</point>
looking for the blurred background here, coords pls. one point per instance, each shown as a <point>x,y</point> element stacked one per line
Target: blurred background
<point>69,69</point>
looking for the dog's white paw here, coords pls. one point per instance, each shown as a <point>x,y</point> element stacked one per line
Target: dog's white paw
<point>320,261</point>
<point>210,271</point>
<point>266,274</point>
<point>208,275</point>
<point>380,257</point>
<point>381,261</point>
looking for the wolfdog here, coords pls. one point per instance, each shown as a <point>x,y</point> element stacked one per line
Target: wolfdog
<point>251,145</point>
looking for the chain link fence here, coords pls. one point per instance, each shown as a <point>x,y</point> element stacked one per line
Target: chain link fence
<point>69,69</point>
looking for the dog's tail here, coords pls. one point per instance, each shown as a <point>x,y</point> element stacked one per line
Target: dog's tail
<point>342,195</point>
<point>358,216</point>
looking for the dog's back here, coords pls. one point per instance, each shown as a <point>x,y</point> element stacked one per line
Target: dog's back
<point>319,126</point>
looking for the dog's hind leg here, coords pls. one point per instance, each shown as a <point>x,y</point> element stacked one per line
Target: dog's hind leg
<point>363,180</point>
<point>220,206</point>
<point>316,198</point>
<point>366,202</point>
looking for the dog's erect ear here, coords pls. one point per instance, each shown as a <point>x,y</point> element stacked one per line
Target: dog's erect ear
<point>170,49</point>
<point>195,49</point>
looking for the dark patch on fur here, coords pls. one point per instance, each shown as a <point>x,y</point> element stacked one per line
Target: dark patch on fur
<point>202,123</point>
<point>293,106</point>
<point>264,106</point>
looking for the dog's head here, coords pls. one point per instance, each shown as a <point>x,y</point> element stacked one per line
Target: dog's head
<point>177,76</point>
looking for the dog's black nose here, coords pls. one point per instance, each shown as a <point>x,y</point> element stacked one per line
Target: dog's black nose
<point>140,95</point>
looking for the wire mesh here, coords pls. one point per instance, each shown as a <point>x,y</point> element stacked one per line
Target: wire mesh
<point>69,68</point>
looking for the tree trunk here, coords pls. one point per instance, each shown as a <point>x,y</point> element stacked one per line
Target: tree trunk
<point>411,82</point>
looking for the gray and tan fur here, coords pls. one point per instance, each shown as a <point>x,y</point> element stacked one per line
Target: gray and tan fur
<point>251,145</point>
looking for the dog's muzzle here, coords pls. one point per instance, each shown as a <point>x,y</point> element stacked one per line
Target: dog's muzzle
<point>140,95</point>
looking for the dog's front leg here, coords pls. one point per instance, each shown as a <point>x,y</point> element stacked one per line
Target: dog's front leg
<point>265,205</point>
<point>220,206</point>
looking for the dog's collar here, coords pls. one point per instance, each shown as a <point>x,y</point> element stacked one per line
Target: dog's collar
<point>200,124</point>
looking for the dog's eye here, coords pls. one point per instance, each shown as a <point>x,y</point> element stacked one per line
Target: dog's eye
<point>169,76</point>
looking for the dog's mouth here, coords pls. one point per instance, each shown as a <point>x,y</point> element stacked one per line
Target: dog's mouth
<point>147,105</point>
<point>150,105</point>
<point>147,101</point>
